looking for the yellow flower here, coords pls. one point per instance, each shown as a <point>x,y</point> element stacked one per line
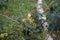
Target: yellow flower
<point>5,34</point>
<point>29,15</point>
<point>31,20</point>
<point>2,35</point>
<point>23,19</point>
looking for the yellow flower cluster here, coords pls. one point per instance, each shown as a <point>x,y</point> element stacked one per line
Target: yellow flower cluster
<point>23,19</point>
<point>28,18</point>
<point>3,35</point>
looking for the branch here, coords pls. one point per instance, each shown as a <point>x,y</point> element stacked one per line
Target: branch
<point>9,18</point>
<point>48,6</point>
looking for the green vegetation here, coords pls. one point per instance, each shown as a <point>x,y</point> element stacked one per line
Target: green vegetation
<point>19,19</point>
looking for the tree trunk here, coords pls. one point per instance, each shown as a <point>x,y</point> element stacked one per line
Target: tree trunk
<point>41,11</point>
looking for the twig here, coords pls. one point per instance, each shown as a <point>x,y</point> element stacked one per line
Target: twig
<point>9,18</point>
<point>48,6</point>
